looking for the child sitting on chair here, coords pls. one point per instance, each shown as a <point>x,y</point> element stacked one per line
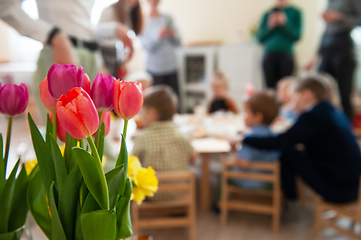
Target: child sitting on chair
<point>284,93</point>
<point>260,111</point>
<point>162,145</point>
<point>220,101</point>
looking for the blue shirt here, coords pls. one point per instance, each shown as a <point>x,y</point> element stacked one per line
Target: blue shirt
<point>252,154</point>
<point>289,114</point>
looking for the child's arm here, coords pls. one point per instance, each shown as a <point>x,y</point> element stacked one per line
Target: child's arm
<point>240,161</point>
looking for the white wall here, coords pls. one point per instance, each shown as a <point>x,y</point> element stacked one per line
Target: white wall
<point>4,46</point>
<point>230,20</point>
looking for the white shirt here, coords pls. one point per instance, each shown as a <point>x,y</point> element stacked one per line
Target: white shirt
<point>71,16</point>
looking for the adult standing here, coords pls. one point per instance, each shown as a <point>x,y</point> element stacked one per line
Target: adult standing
<point>129,13</point>
<point>65,29</point>
<point>160,39</point>
<point>280,28</point>
<point>336,50</point>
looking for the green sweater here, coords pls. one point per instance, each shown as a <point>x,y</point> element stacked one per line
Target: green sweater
<point>280,39</point>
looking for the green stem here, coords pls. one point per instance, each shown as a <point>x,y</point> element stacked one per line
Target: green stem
<point>55,123</point>
<point>8,138</point>
<point>81,143</point>
<point>100,170</point>
<point>125,129</point>
<point>97,134</point>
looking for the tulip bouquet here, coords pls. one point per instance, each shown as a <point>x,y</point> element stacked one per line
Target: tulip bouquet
<point>69,196</point>
<point>13,205</point>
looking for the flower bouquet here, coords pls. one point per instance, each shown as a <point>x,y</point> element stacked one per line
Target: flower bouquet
<point>69,196</point>
<point>13,205</point>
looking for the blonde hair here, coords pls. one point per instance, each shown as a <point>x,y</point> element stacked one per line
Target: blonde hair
<point>220,77</point>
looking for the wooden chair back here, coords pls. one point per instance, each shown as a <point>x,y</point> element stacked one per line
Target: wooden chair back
<point>349,210</point>
<point>184,182</point>
<point>272,176</point>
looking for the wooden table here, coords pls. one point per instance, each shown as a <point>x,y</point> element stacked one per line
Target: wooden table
<point>206,147</point>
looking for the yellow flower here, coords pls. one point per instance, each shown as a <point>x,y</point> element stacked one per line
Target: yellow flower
<point>145,183</point>
<point>30,165</point>
<point>133,166</point>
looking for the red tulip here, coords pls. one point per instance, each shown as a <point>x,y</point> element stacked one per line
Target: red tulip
<point>77,114</point>
<point>59,128</point>
<point>127,99</point>
<point>62,78</point>
<point>13,99</point>
<point>47,99</point>
<point>102,92</point>
<point>86,83</point>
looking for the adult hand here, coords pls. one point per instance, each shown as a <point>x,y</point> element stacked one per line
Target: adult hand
<point>122,35</point>
<point>163,32</point>
<point>63,50</point>
<point>281,18</point>
<point>272,21</point>
<point>332,16</point>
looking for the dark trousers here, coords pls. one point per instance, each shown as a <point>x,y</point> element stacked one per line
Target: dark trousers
<point>342,67</point>
<point>170,79</point>
<point>297,164</point>
<point>277,66</point>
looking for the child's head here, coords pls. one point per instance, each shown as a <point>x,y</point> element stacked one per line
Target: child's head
<point>284,89</point>
<point>143,78</point>
<point>332,88</point>
<point>260,108</point>
<point>219,85</point>
<point>160,104</point>
<point>308,92</point>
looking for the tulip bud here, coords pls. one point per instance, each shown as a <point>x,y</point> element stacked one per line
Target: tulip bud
<point>59,128</point>
<point>77,114</point>
<point>106,120</point>
<point>62,78</point>
<point>86,83</point>
<point>127,99</point>
<point>47,99</point>
<point>13,99</point>
<point>102,92</point>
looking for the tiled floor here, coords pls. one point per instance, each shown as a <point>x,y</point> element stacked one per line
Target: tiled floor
<point>240,225</point>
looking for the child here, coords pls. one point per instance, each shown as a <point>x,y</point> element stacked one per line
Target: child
<point>260,111</point>
<point>161,145</point>
<point>320,147</point>
<point>284,93</point>
<point>220,101</point>
<point>143,78</point>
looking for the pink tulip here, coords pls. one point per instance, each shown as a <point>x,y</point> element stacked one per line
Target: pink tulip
<point>47,99</point>
<point>62,78</point>
<point>86,83</point>
<point>59,128</point>
<point>102,92</point>
<point>127,99</point>
<point>77,114</point>
<point>13,99</point>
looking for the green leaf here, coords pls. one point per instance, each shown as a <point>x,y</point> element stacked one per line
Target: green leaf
<point>98,225</point>
<point>6,199</point>
<point>83,193</point>
<point>101,141</point>
<point>60,168</point>
<point>2,166</point>
<point>91,175</point>
<point>38,204</point>
<point>69,157</point>
<point>45,161</point>
<point>68,201</point>
<point>14,235</point>
<point>90,205</point>
<point>57,231</point>
<point>49,129</point>
<point>115,184</point>
<point>124,224</point>
<point>19,205</point>
<point>123,160</point>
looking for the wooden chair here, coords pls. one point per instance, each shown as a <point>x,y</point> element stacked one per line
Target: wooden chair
<point>185,184</point>
<point>350,210</point>
<point>271,207</point>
